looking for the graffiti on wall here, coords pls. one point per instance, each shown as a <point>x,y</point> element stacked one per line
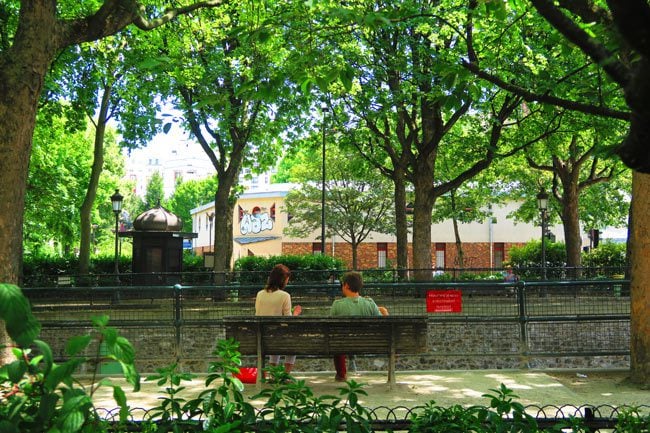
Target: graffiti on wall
<point>256,220</point>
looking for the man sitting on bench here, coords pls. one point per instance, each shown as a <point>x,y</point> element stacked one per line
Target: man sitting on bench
<point>352,304</point>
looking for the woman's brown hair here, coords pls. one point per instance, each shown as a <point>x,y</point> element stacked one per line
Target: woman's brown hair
<point>277,278</point>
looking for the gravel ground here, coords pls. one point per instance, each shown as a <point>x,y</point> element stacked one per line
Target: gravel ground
<point>446,388</point>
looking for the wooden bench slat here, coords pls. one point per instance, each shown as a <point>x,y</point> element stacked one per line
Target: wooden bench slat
<point>327,336</point>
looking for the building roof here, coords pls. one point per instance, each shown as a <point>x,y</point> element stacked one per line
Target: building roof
<point>243,240</point>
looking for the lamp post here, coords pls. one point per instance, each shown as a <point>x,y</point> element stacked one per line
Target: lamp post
<point>210,220</point>
<point>542,205</point>
<point>322,216</point>
<point>116,200</point>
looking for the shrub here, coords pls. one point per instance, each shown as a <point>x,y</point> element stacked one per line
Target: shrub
<point>607,255</point>
<point>39,395</point>
<point>304,268</point>
<point>526,260</point>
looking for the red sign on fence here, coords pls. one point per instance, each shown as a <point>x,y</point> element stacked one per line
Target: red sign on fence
<point>444,301</point>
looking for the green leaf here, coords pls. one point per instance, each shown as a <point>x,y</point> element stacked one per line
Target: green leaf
<point>131,375</point>
<point>46,351</point>
<point>15,310</point>
<point>62,372</point>
<point>100,321</point>
<point>77,344</point>
<point>347,76</point>
<point>16,370</point>
<point>73,422</point>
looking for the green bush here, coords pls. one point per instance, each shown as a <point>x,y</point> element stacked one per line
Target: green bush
<point>526,260</point>
<point>608,254</point>
<point>39,267</point>
<point>304,268</point>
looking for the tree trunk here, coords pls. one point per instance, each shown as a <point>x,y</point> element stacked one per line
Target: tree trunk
<point>571,223</point>
<point>223,227</point>
<point>355,248</point>
<point>22,71</point>
<point>422,209</point>
<point>91,191</point>
<point>460,256</point>
<point>401,224</point>
<point>640,285</point>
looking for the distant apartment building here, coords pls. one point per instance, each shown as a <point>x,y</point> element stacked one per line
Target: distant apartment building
<point>259,220</point>
<point>184,160</point>
<point>171,160</point>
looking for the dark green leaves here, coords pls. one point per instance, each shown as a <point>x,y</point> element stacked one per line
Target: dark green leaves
<point>17,314</point>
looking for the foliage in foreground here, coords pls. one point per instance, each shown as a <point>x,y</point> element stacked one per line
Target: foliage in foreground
<point>40,395</point>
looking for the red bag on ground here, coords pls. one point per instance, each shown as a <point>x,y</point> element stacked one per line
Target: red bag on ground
<point>247,374</point>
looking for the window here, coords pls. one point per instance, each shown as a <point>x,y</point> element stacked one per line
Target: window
<point>499,254</point>
<point>382,252</point>
<point>316,248</point>
<point>440,255</point>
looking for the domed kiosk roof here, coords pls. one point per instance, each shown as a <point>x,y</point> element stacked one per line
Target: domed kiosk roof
<point>158,219</point>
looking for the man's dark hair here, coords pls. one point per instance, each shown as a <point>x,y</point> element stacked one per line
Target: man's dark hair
<point>353,280</point>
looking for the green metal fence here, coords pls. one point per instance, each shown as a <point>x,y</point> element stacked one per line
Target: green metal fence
<point>515,323</point>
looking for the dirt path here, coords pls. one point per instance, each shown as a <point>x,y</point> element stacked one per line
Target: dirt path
<point>447,388</point>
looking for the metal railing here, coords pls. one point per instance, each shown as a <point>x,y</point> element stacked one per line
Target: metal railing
<point>386,419</point>
<point>518,321</point>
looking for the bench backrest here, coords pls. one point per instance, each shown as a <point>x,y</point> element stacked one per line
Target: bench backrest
<point>326,336</point>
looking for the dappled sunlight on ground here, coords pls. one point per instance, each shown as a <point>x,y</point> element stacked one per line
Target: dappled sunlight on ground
<point>445,388</point>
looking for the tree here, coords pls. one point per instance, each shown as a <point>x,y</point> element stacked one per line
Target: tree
<point>99,79</point>
<point>155,192</point>
<point>33,34</point>
<point>190,194</point>
<point>357,200</point>
<point>57,174</point>
<point>613,36</point>
<point>230,84</point>
<point>414,102</point>
<point>573,157</point>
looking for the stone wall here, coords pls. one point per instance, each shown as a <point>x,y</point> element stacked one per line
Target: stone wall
<point>451,345</point>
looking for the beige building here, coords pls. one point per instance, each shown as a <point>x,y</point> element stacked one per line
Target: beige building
<point>260,218</point>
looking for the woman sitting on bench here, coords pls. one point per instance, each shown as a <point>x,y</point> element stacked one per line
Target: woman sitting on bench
<point>273,300</point>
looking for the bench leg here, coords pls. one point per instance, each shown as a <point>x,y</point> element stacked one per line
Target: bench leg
<point>260,361</point>
<point>391,370</point>
<point>391,359</point>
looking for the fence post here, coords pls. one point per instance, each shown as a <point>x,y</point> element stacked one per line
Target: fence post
<point>522,317</point>
<point>177,319</point>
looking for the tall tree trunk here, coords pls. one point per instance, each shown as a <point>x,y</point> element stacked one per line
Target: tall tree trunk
<point>459,245</point>
<point>571,223</point>
<point>22,71</point>
<point>422,209</point>
<point>224,207</point>
<point>401,224</point>
<point>640,285</point>
<point>91,191</point>
<point>355,254</point>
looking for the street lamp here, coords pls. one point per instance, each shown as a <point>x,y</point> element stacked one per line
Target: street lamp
<point>210,220</point>
<point>116,200</point>
<point>542,205</point>
<point>322,232</point>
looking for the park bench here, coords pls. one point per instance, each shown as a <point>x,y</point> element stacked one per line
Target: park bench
<point>318,336</point>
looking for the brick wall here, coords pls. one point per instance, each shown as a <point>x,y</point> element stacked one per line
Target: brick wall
<point>477,254</point>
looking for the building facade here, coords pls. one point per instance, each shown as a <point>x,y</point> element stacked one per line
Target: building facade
<point>259,220</point>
